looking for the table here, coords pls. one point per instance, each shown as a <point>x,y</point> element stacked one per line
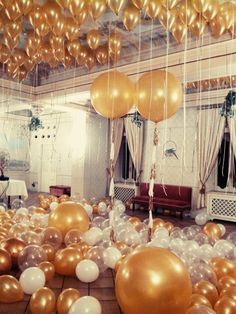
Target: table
<point>13,188</point>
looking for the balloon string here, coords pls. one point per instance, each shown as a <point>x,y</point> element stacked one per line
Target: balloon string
<point>112,153</point>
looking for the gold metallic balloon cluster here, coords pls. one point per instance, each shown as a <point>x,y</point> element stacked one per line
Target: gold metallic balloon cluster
<point>51,31</point>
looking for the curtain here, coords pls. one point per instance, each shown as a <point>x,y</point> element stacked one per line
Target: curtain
<point>210,128</point>
<point>134,135</point>
<point>118,125</point>
<point>232,129</point>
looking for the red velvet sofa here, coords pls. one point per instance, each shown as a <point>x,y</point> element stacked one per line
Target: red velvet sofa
<point>176,198</point>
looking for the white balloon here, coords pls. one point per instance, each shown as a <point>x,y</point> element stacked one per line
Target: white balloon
<point>2,209</point>
<point>222,229</point>
<point>201,218</point>
<point>87,271</point>
<point>89,209</point>
<point>111,256</point>
<point>86,305</point>
<point>22,210</point>
<point>53,205</point>
<point>93,236</point>
<point>120,208</point>
<point>32,279</point>
<point>162,242</point>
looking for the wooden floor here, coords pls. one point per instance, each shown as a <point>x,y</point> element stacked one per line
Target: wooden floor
<point>103,288</point>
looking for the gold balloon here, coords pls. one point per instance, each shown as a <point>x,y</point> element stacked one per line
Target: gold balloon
<point>36,15</point>
<point>168,17</point>
<point>102,54</point>
<point>200,5</point>
<point>48,269</point>
<point>66,299</point>
<point>93,39</point>
<point>73,47</point>
<point>229,292</point>
<point>115,5</point>
<point>212,10</point>
<point>134,221</point>
<point>76,6</point>
<point>212,230</point>
<point>168,225</point>
<point>63,198</point>
<point>52,12</point>
<point>153,8</point>
<point>226,281</point>
<point>187,14</point>
<point>90,60</point>
<point>131,17</point>
<point>114,42</point>
<point>33,43</point>
<point>43,28</point>
<point>197,299</point>
<point>149,278</point>
<point>47,55</point>
<point>58,28</point>
<point>10,289</point>
<point>4,54</point>
<point>24,6</point>
<point>112,94</point>
<point>5,261</point>
<point>43,301</point>
<point>198,26</point>
<point>170,4</point>
<point>208,290</point>
<point>66,261</point>
<point>96,8</point>
<point>179,31</point>
<point>159,95</point>
<point>227,12</point>
<point>140,4</point>
<point>19,56</point>
<point>14,246</point>
<point>71,29</point>
<point>56,42</point>
<point>225,305</point>
<point>80,19</point>
<point>12,11</point>
<point>158,222</point>
<point>64,3</point>
<point>22,73</point>
<point>11,42</point>
<point>13,28</point>
<point>50,251</point>
<point>200,309</point>
<point>67,216</point>
<point>68,60</point>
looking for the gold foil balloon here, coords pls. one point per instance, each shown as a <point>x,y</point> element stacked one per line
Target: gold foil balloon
<point>12,10</point>
<point>212,10</point>
<point>68,60</point>
<point>43,301</point>
<point>179,31</point>
<point>153,8</point>
<point>24,6</point>
<point>5,261</point>
<point>90,60</point>
<point>112,94</point>
<point>102,54</point>
<point>159,95</point>
<point>223,267</point>
<point>96,8</point>
<point>115,5</point>
<point>212,230</point>
<point>149,280</point>
<point>52,12</point>
<point>226,281</point>
<point>76,6</point>
<point>208,290</point>
<point>226,10</point>
<point>131,17</point>
<point>170,4</point>
<point>69,216</point>
<point>13,29</point>
<point>200,5</point>
<point>187,13</point>
<point>198,26</point>
<point>71,29</point>
<point>14,247</point>
<point>4,54</point>
<point>10,289</point>
<point>93,39</point>
<point>73,47</point>
<point>140,4</point>
<point>66,261</point>
<point>197,299</point>
<point>48,269</point>
<point>225,305</point>
<point>229,292</point>
<point>66,299</point>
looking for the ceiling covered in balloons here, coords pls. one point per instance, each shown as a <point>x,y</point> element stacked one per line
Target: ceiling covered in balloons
<point>58,40</point>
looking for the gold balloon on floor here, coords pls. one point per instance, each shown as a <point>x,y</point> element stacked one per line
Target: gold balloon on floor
<point>48,269</point>
<point>149,280</point>
<point>66,299</point>
<point>131,17</point>
<point>66,261</point>
<point>223,267</point>
<point>197,299</point>
<point>112,94</point>
<point>159,95</point>
<point>43,301</point>
<point>14,246</point>
<point>5,261</point>
<point>225,305</point>
<point>10,289</point>
<point>212,230</point>
<point>208,290</point>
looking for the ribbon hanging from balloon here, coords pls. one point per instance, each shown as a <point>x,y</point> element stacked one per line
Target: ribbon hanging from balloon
<point>112,184</point>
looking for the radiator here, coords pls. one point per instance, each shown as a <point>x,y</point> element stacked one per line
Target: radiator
<point>125,192</point>
<point>221,205</point>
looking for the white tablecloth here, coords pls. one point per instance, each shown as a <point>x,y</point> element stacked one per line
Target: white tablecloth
<point>13,188</point>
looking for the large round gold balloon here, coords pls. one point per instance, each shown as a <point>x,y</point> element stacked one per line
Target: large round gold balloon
<point>67,216</point>
<point>10,289</point>
<point>159,95</point>
<point>66,261</point>
<point>5,261</point>
<point>14,246</point>
<point>112,94</point>
<point>66,299</point>
<point>43,301</point>
<point>149,280</point>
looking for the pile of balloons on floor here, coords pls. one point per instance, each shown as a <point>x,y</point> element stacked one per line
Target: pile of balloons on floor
<point>160,270</point>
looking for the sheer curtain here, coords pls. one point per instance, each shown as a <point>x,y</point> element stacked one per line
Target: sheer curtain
<point>118,125</point>
<point>210,128</point>
<point>134,135</point>
<point>232,129</point>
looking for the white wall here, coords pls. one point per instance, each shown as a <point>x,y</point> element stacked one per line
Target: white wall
<point>181,129</point>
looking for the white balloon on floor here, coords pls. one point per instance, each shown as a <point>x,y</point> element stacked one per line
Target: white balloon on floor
<point>86,305</point>
<point>87,271</point>
<point>111,256</point>
<point>32,279</point>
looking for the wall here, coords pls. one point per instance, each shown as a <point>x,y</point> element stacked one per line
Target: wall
<point>181,129</point>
